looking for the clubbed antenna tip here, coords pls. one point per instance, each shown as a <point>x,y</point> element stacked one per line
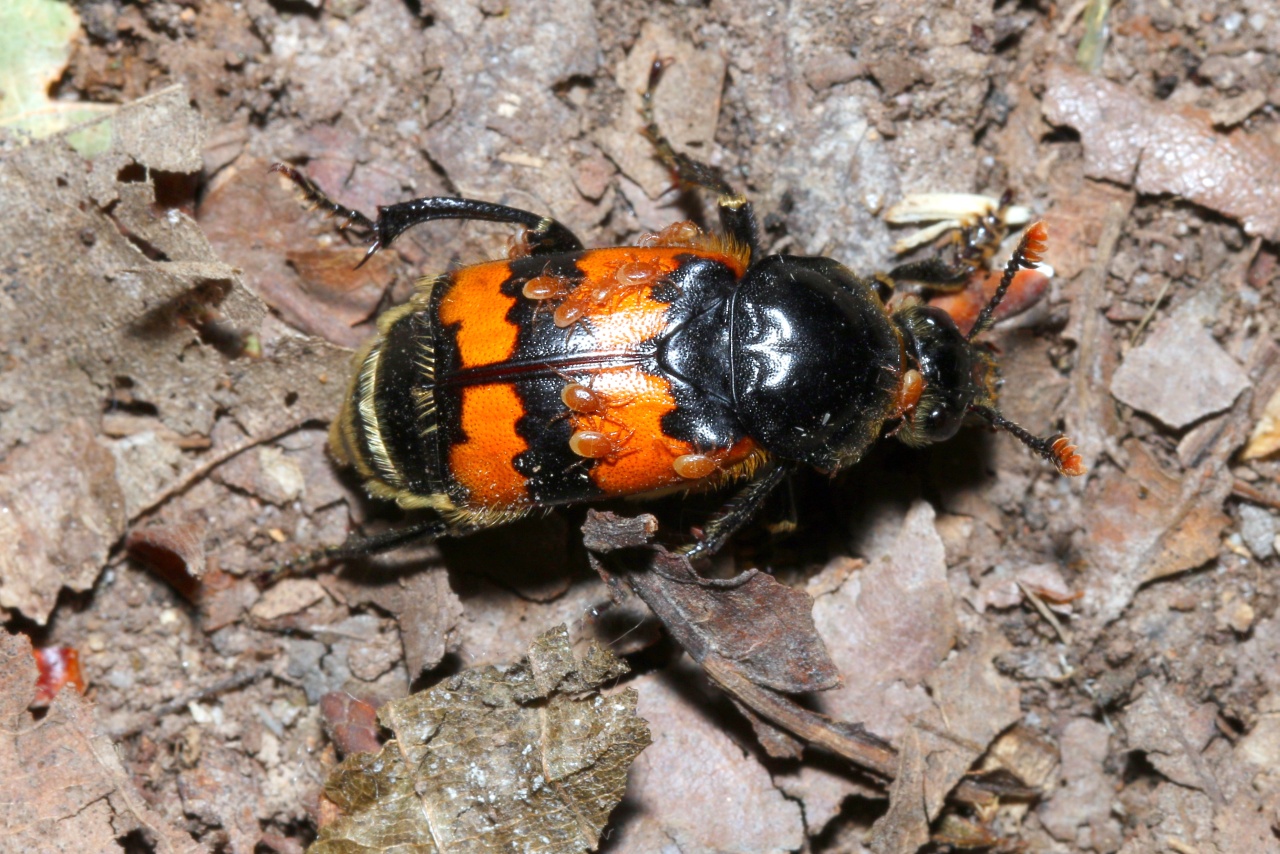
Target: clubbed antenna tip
<point>1029,253</point>
<point>1056,449</point>
<point>1062,453</point>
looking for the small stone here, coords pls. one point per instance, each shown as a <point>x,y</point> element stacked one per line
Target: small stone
<point>288,597</point>
<point>1240,617</point>
<point>1258,530</point>
<point>1179,375</point>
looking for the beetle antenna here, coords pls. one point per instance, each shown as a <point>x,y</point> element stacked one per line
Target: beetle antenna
<point>1057,449</point>
<point>351,218</point>
<point>1029,253</point>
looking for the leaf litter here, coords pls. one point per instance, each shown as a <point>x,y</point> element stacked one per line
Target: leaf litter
<point>528,758</point>
<point>129,330</point>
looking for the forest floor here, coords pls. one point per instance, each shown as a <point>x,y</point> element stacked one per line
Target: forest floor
<point>1059,664</point>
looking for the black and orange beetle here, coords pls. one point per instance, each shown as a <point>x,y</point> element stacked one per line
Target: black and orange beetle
<point>688,361</point>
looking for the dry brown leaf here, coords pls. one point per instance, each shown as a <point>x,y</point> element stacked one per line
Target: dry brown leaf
<point>1144,524</point>
<point>1265,439</point>
<point>1080,810</point>
<point>695,789</point>
<point>113,301</point>
<point>531,756</point>
<point>888,627</point>
<point>763,628</point>
<point>425,608</point>
<point>62,786</point>
<point>1179,374</point>
<point>1130,140</point>
<point>973,704</point>
<point>57,521</point>
<point>350,723</point>
<point>891,628</point>
<point>1173,733</point>
<point>176,552</point>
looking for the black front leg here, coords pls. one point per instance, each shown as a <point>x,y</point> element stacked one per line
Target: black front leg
<point>737,216</point>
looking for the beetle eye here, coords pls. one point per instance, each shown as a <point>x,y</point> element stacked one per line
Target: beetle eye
<point>942,422</point>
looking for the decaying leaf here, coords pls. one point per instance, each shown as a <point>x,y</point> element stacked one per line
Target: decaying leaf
<point>62,786</point>
<point>892,624</point>
<point>764,628</point>
<point>425,608</point>
<point>530,758</point>
<point>1146,524</point>
<point>1131,140</point>
<point>891,628</point>
<point>696,789</point>
<point>57,521</point>
<point>1082,804</point>
<point>1173,732</point>
<point>108,302</point>
<point>175,551</point>
<point>1179,374</point>
<point>350,723</point>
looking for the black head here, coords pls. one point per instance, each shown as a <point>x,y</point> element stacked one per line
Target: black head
<point>957,375</point>
<point>958,378</point>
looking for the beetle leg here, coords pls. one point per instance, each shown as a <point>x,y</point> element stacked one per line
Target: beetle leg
<point>355,546</point>
<point>736,512</point>
<point>737,216</point>
<point>544,234</point>
<point>934,272</point>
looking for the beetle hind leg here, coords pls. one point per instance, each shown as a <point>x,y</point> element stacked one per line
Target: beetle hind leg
<point>737,216</point>
<point>313,195</point>
<point>543,234</point>
<point>358,546</point>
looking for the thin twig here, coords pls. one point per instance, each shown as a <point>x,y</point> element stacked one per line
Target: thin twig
<point>1063,633</point>
<point>162,711</point>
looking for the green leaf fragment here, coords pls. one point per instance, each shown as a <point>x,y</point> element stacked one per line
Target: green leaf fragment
<point>35,43</point>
